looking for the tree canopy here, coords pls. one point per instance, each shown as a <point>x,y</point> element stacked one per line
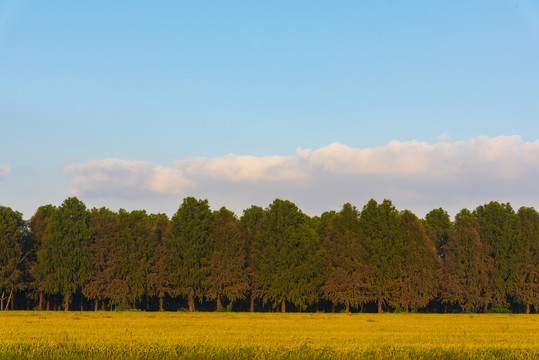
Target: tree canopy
<point>277,258</point>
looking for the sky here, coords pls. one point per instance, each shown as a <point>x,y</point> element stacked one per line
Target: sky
<point>139,104</point>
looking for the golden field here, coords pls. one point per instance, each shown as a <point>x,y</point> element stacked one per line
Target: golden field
<point>168,335</point>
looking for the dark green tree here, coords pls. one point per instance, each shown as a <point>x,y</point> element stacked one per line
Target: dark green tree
<point>227,262</point>
<point>38,231</point>
<point>187,248</point>
<point>68,246</point>
<point>159,276</point>
<point>527,289</point>
<point>250,227</point>
<point>466,265</point>
<point>499,233</point>
<point>289,260</point>
<point>347,279</point>
<point>138,243</point>
<point>11,254</point>
<point>379,234</point>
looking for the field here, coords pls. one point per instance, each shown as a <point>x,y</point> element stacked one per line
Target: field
<point>119,335</point>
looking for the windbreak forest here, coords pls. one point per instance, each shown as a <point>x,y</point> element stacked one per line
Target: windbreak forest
<point>377,259</point>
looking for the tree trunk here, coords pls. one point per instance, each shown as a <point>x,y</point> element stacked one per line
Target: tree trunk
<point>219,305</point>
<point>96,304</point>
<point>347,307</point>
<point>103,305</point>
<point>48,304</point>
<point>252,306</point>
<point>10,300</point>
<point>362,308</point>
<point>191,302</point>
<point>379,306</point>
<point>527,308</point>
<point>66,303</point>
<point>283,305</point>
<point>161,303</point>
<point>2,302</point>
<point>81,303</point>
<point>40,300</point>
<point>332,307</point>
<point>406,309</point>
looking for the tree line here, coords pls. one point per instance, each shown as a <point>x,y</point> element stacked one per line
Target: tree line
<point>274,259</point>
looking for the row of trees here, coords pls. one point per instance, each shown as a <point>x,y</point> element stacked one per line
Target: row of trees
<point>375,259</point>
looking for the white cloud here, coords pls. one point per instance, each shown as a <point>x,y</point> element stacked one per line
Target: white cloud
<point>4,171</point>
<point>416,175</point>
<point>244,168</point>
<point>396,158</point>
<point>502,157</point>
<point>124,179</point>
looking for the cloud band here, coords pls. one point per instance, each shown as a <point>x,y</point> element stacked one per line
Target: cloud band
<point>413,171</point>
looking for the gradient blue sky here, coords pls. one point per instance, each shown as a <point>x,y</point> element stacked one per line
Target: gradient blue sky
<point>138,104</point>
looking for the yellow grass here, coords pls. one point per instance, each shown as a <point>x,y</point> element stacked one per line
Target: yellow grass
<point>222,335</point>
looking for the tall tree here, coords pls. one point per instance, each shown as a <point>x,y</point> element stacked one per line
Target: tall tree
<point>466,265</point>
<point>187,247</point>
<point>138,243</point>
<point>68,244</point>
<point>379,234</point>
<point>159,276</point>
<point>347,279</point>
<point>527,289</point>
<point>289,259</point>
<point>250,227</point>
<point>11,254</point>
<point>38,231</point>
<point>227,262</point>
<point>418,268</point>
<point>104,282</point>
<point>498,231</point>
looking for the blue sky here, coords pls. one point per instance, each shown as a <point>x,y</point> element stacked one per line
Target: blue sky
<point>139,104</point>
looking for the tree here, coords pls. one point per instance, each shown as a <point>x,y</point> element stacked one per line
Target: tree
<point>159,276</point>
<point>250,227</point>
<point>137,243</point>
<point>187,247</point>
<point>498,231</point>
<point>104,282</point>
<point>11,254</point>
<point>38,231</point>
<point>288,260</point>
<point>418,268</point>
<point>227,262</point>
<point>527,289</point>
<point>68,245</point>
<point>379,234</point>
<point>466,265</point>
<point>347,279</point>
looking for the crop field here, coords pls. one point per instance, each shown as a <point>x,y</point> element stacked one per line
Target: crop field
<point>135,335</point>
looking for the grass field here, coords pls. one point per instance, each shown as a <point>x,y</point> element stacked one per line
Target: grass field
<point>118,335</point>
